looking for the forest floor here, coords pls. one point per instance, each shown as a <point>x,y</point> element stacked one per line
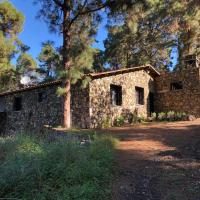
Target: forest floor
<point>158,161</point>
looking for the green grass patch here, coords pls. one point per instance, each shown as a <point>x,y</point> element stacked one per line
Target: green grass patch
<point>31,169</point>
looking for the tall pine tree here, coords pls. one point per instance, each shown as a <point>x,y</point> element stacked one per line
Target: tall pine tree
<point>77,21</point>
<point>143,36</point>
<point>11,23</point>
<point>50,61</point>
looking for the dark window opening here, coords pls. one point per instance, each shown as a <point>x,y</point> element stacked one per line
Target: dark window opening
<point>191,62</point>
<point>116,95</point>
<point>139,95</point>
<point>17,106</point>
<point>176,86</point>
<point>41,97</point>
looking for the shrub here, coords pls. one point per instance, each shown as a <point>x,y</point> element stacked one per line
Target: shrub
<point>154,116</point>
<point>34,169</point>
<point>106,123</point>
<point>119,121</point>
<point>184,116</point>
<point>181,116</point>
<point>170,116</point>
<point>141,119</point>
<point>161,116</point>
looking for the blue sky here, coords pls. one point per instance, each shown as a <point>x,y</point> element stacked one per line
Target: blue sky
<point>36,31</point>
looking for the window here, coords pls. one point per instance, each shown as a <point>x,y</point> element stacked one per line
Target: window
<point>116,95</point>
<point>41,97</point>
<point>191,62</point>
<point>139,95</point>
<point>176,86</point>
<point>17,105</point>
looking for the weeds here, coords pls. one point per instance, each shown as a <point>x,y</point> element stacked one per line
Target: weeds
<point>34,169</point>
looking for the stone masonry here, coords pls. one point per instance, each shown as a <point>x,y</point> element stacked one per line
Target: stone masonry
<point>33,115</point>
<point>186,99</point>
<point>89,106</point>
<point>99,89</point>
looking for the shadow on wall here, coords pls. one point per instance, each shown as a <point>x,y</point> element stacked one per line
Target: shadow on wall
<point>3,120</point>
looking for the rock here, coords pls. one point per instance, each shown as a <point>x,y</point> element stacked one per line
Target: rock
<point>191,118</point>
<point>85,142</point>
<point>150,119</point>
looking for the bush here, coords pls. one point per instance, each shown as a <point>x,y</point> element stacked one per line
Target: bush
<point>161,116</point>
<point>142,119</point>
<point>119,121</point>
<point>34,169</point>
<point>106,123</point>
<point>154,116</point>
<point>181,116</point>
<point>170,116</point>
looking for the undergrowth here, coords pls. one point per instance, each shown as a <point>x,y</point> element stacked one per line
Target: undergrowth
<point>34,169</point>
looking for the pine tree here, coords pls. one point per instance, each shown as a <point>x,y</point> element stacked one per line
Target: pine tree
<point>150,31</point>
<point>187,15</point>
<point>99,61</point>
<point>143,36</point>
<point>50,61</point>
<point>25,64</point>
<point>77,21</point>
<point>11,23</point>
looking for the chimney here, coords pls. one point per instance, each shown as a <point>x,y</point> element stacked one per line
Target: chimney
<point>191,61</point>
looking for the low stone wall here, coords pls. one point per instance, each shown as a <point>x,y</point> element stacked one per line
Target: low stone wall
<point>100,103</point>
<point>183,100</point>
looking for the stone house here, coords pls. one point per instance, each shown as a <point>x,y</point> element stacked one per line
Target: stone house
<point>127,92</point>
<point>180,91</point>
<point>108,95</point>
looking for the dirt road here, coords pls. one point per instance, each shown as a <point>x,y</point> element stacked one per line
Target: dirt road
<point>158,162</point>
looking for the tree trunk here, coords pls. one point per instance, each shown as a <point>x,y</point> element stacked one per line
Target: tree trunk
<point>188,41</point>
<point>67,65</point>
<point>67,105</point>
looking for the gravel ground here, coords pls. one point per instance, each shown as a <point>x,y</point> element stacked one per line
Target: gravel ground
<point>159,161</point>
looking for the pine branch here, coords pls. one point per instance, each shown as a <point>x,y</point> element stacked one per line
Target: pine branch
<point>76,17</point>
<point>88,11</point>
<point>57,2</point>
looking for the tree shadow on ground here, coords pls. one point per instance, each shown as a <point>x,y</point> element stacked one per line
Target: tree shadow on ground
<point>158,162</point>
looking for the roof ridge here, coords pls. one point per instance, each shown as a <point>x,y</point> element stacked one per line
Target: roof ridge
<point>97,74</point>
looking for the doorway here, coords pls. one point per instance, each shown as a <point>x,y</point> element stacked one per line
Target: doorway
<point>3,120</point>
<point>151,103</point>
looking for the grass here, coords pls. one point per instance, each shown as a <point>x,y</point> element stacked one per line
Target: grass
<point>34,169</point>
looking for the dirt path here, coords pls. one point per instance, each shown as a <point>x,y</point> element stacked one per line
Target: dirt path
<point>158,162</point>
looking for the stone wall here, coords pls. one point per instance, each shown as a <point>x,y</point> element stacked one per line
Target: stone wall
<point>183,100</point>
<point>100,104</point>
<point>33,115</point>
